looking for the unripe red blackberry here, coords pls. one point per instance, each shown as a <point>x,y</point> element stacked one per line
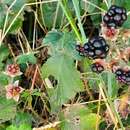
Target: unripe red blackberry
<point>97,67</point>
<point>115,16</point>
<point>96,48</point>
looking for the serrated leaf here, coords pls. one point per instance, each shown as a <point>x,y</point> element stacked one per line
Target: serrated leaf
<point>7,109</point>
<point>78,117</point>
<point>89,122</point>
<point>22,118</point>
<point>62,42</point>
<point>61,67</point>
<point>52,37</point>
<point>26,58</point>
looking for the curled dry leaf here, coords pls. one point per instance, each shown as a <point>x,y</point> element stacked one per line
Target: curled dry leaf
<point>122,106</point>
<point>126,34</point>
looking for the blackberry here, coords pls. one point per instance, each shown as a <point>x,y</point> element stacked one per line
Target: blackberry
<point>97,67</point>
<point>123,76</point>
<point>128,77</point>
<point>115,16</point>
<point>96,48</point>
<point>80,49</point>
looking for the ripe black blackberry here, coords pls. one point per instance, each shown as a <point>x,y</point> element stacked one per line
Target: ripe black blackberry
<point>80,49</point>
<point>127,77</point>
<point>96,48</point>
<point>97,67</point>
<point>123,76</point>
<point>115,16</point>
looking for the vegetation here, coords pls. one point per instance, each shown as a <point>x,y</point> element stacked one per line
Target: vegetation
<point>64,65</point>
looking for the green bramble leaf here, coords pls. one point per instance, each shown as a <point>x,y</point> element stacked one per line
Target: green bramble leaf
<point>69,83</point>
<point>78,117</point>
<point>7,109</point>
<point>62,41</point>
<point>22,118</point>
<point>26,58</point>
<point>61,66</point>
<point>52,37</point>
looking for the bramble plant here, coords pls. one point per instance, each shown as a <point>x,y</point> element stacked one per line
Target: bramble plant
<point>64,64</point>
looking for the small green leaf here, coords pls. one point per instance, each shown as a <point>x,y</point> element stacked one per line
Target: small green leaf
<point>4,52</point>
<point>89,122</point>
<point>7,109</point>
<point>62,42</point>
<point>22,118</point>
<point>3,79</point>
<point>26,58</point>
<point>78,117</point>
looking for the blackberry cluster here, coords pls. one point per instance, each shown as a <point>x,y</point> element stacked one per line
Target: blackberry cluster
<point>97,67</point>
<point>96,48</point>
<point>123,76</point>
<point>115,16</point>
